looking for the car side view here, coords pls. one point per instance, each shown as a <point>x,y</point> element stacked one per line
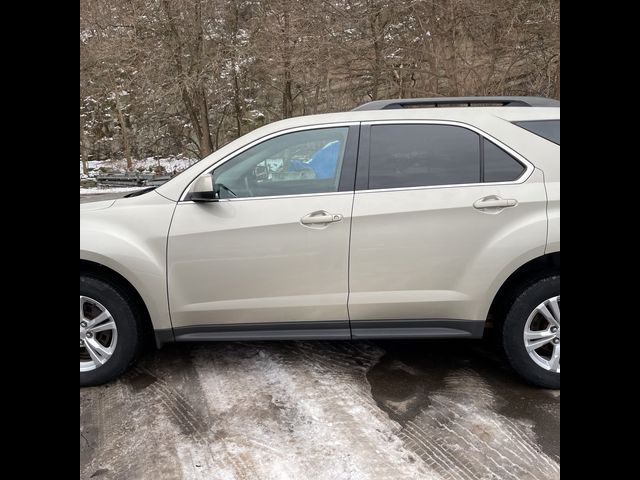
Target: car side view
<point>406,218</point>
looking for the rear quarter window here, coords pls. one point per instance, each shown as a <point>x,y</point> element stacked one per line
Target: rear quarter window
<point>499,166</point>
<point>547,129</point>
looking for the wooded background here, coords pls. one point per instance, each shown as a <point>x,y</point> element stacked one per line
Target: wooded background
<point>161,78</point>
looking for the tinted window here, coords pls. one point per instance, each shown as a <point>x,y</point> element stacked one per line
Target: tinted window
<point>549,129</point>
<point>295,163</point>
<point>422,155</point>
<point>499,166</point>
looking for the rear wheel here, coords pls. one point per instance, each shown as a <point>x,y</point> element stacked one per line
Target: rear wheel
<point>110,335</point>
<point>531,333</point>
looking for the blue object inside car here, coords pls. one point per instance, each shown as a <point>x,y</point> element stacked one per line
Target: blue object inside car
<point>323,162</point>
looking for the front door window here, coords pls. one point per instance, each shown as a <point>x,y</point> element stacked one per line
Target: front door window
<point>302,162</point>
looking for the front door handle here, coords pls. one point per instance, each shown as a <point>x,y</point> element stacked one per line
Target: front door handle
<point>320,217</point>
<point>493,202</point>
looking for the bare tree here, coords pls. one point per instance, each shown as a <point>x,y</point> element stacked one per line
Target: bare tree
<point>171,77</point>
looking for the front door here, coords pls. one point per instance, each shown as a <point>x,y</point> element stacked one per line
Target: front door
<point>271,257</point>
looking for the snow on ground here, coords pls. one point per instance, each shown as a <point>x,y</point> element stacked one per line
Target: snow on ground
<point>245,411</point>
<point>97,190</point>
<point>303,411</point>
<point>147,164</point>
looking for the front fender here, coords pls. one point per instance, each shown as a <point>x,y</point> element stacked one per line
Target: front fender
<point>130,238</point>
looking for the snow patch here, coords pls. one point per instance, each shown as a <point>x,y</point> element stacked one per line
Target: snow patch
<point>96,190</point>
<point>170,164</point>
<point>300,413</point>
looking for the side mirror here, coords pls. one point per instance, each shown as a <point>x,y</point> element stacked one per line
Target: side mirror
<point>203,190</point>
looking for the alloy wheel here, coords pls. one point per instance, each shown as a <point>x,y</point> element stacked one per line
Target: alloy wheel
<point>98,334</point>
<point>542,334</point>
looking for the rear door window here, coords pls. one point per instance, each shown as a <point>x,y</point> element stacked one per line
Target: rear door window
<point>423,155</point>
<point>406,155</point>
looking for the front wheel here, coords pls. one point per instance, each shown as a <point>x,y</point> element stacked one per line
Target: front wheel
<point>531,333</point>
<point>110,335</point>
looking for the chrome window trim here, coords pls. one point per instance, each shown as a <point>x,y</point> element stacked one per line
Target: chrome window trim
<point>232,155</point>
<point>529,167</point>
<point>296,195</point>
<point>431,187</point>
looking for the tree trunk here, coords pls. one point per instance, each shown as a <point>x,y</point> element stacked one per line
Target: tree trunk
<point>376,34</point>
<point>199,121</point>
<point>83,148</point>
<point>556,94</point>
<point>236,104</point>
<point>316,98</point>
<point>224,113</point>
<point>287,100</point>
<point>206,142</point>
<point>196,102</point>
<point>287,96</point>
<point>193,117</point>
<point>125,137</point>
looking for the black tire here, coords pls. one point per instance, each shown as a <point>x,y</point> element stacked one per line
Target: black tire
<point>122,310</point>
<point>513,331</point>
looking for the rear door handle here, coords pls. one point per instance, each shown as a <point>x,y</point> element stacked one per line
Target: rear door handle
<point>494,201</point>
<point>320,217</point>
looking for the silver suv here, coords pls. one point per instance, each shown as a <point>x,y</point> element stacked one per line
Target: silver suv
<point>395,220</point>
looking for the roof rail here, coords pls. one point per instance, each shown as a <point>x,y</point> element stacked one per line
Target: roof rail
<point>453,101</point>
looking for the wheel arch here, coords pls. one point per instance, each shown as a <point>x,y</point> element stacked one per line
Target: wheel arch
<point>521,278</point>
<point>116,279</point>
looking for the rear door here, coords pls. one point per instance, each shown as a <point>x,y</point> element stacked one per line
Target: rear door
<point>440,212</point>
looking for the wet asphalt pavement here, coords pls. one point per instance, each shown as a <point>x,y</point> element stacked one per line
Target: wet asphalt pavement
<point>320,410</point>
